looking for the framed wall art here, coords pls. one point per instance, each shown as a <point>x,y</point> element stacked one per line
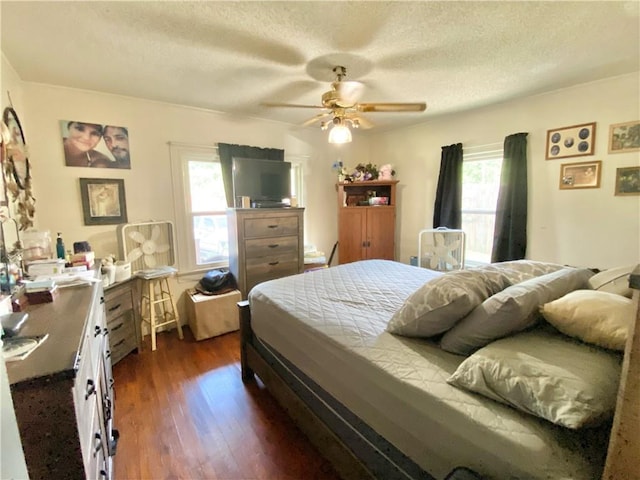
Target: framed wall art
<point>103,201</point>
<point>624,137</point>
<point>580,175</point>
<point>573,141</point>
<point>627,181</point>
<point>95,145</point>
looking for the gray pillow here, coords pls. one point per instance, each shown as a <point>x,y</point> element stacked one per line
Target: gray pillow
<point>440,303</point>
<point>511,310</point>
<point>520,270</point>
<point>545,374</point>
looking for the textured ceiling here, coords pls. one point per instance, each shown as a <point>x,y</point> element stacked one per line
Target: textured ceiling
<point>231,56</point>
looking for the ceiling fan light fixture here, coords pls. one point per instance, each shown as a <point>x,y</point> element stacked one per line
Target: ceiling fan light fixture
<point>340,133</point>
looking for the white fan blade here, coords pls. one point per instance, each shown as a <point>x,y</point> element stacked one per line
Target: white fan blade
<point>150,261</point>
<point>136,236</point>
<point>434,261</point>
<point>155,233</point>
<point>438,239</point>
<point>450,259</point>
<point>134,254</point>
<point>163,248</point>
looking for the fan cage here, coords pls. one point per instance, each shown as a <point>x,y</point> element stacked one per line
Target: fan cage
<point>126,244</point>
<point>441,249</point>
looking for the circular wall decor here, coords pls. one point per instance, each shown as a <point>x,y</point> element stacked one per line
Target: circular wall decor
<point>16,149</point>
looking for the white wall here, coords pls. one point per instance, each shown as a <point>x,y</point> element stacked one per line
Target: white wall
<point>588,227</point>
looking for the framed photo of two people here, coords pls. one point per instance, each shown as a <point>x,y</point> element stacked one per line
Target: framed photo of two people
<point>94,145</point>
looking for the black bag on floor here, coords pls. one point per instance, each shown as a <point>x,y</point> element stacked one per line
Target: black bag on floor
<point>216,282</point>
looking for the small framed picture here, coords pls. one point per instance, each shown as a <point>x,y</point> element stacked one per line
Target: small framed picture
<point>103,201</point>
<point>573,141</point>
<point>624,137</point>
<point>580,175</point>
<point>627,181</point>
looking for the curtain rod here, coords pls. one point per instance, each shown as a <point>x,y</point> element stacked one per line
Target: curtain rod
<point>496,144</point>
<point>197,145</point>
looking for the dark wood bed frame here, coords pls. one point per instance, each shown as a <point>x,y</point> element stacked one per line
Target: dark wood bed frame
<point>624,444</point>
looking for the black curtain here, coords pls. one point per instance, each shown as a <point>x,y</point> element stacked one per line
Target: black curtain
<point>227,151</point>
<point>510,234</point>
<point>447,211</point>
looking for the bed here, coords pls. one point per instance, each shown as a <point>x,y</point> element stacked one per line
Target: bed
<point>379,404</point>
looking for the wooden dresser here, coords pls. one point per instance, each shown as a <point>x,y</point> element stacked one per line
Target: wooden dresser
<point>63,391</point>
<point>122,319</point>
<point>264,243</point>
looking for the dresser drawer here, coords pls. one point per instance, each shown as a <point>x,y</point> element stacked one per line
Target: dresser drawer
<point>270,227</point>
<point>263,269</point>
<point>122,341</point>
<point>117,304</point>
<point>265,247</point>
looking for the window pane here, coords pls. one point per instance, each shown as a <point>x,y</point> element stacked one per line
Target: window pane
<point>478,229</point>
<point>206,186</point>
<point>480,184</point>
<point>480,187</point>
<point>210,236</point>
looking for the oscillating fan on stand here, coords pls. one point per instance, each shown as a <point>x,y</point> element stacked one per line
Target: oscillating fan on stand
<point>441,249</point>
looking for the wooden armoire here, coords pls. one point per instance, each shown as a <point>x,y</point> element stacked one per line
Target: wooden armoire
<point>366,231</point>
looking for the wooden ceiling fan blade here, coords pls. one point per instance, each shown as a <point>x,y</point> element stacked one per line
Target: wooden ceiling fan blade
<point>362,121</point>
<point>316,118</point>
<point>392,107</point>
<point>289,105</point>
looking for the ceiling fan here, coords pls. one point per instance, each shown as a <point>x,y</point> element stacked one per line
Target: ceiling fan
<point>342,109</point>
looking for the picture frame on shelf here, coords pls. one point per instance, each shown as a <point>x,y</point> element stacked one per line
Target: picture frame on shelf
<point>627,181</point>
<point>573,141</point>
<point>103,201</point>
<point>575,176</point>
<point>624,137</point>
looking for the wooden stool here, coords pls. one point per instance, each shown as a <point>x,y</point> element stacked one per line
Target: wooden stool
<point>157,306</point>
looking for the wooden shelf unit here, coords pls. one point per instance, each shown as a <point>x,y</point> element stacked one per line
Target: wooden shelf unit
<point>364,231</point>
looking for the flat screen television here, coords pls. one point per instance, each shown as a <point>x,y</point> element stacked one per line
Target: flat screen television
<point>266,182</point>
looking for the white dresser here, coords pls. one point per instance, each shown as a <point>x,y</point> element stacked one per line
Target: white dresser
<point>63,391</point>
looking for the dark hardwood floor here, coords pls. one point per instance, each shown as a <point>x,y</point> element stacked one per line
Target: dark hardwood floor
<point>184,413</point>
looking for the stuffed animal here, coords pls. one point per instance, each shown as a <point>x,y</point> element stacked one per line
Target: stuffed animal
<point>386,172</point>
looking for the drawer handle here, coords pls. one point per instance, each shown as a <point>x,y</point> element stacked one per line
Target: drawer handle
<point>97,331</point>
<point>108,354</point>
<point>113,444</point>
<point>91,389</point>
<point>273,263</point>
<point>115,308</point>
<point>117,326</point>
<point>103,474</point>
<point>106,405</point>
<point>119,343</point>
<point>97,448</point>
<point>101,300</point>
<point>105,331</point>
<point>272,226</point>
<point>274,245</point>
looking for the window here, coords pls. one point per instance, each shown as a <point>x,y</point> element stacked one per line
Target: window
<point>200,204</point>
<point>480,187</point>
